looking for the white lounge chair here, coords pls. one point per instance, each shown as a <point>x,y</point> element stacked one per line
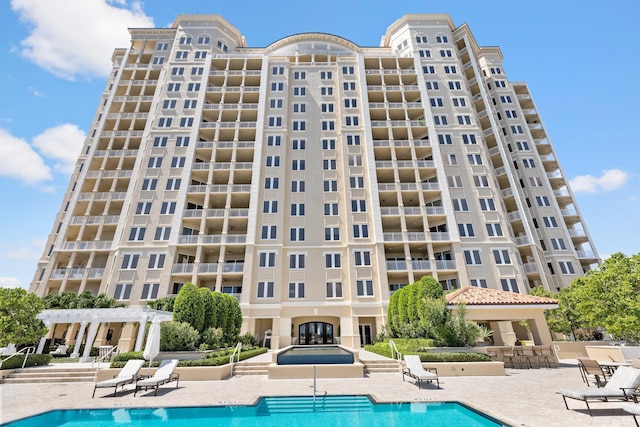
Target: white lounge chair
<point>415,370</point>
<point>620,386</point>
<point>127,375</point>
<point>163,375</point>
<point>634,409</point>
<point>60,351</point>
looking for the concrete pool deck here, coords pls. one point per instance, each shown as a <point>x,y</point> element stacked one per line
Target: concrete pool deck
<point>521,398</point>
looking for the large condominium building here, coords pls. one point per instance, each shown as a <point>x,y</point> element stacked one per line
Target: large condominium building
<point>313,177</point>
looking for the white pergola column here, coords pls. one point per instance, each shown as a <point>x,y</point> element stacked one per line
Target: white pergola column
<point>76,346</point>
<point>91,336</point>
<point>140,337</point>
<point>43,340</point>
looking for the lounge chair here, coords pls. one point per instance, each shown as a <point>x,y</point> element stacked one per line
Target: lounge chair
<point>127,375</point>
<point>163,375</point>
<point>592,367</point>
<point>60,351</point>
<point>634,409</point>
<point>415,370</point>
<point>621,385</point>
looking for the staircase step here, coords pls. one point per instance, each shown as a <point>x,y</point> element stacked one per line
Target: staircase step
<point>18,380</point>
<point>50,374</point>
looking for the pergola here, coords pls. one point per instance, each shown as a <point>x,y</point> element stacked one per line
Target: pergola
<point>93,317</point>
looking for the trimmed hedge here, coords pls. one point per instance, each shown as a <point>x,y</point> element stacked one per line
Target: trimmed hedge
<point>33,360</point>
<point>217,358</point>
<point>383,349</point>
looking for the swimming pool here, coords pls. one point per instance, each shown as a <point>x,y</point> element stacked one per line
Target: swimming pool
<point>315,355</point>
<point>274,411</point>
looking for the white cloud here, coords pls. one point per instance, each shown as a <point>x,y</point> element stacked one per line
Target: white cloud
<point>35,92</point>
<point>19,161</point>
<point>610,180</point>
<point>10,282</point>
<point>62,143</point>
<point>72,38</point>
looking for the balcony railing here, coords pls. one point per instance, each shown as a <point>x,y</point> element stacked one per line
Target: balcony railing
<point>396,265</point>
<point>445,264</point>
<point>420,265</point>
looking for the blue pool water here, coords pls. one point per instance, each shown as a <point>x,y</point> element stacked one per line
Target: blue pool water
<point>347,411</point>
<point>315,355</point>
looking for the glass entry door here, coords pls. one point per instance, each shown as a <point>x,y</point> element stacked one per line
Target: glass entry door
<point>315,333</point>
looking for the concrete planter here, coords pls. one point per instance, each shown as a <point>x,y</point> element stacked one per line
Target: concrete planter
<point>196,373</point>
<point>180,355</point>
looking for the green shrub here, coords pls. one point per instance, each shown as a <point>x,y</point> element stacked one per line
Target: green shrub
<point>211,359</point>
<point>385,350</point>
<point>123,357</point>
<point>250,340</point>
<point>33,360</point>
<point>211,339</point>
<point>178,336</point>
<point>189,306</point>
<point>210,313</point>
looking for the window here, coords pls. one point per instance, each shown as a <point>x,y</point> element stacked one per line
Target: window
<point>201,54</point>
<point>348,70</point>
<point>271,183</point>
<point>349,85</point>
<point>474,159</point>
<point>517,130</point>
<point>332,260</point>
<point>270,206</point>
<point>436,102</point>
<point>440,120</point>
<point>455,85</point>
<point>178,162</point>
<point>449,284</point>
<point>299,125</point>
<point>331,234</point>
<point>528,163</point>
<point>469,139</point>
<point>421,38</point>
<point>182,141</point>
<point>185,40</point>
<point>298,144</point>
<point>454,181</point>
<point>182,54</point>
<point>265,289</point>
<point>328,144</point>
<point>558,244</point>
<point>297,261</point>
<point>494,229</point>
<point>299,75</point>
<point>445,53</point>
<point>480,181</point>
<point>356,182</point>
<point>472,257</point>
<point>177,71</point>
<point>351,103</point>
<point>275,121</point>
<point>296,234</point>
<point>522,145</point>
<point>299,91</point>
<point>511,114</point>
<point>478,283</point>
<point>168,208</point>
<point>298,165</point>
<point>509,285</point>
<point>445,139</point>
<point>275,103</point>
<point>186,122</point>
<point>429,69</point>
<point>331,209</point>
<point>277,86</point>
<point>272,161</point>
<point>274,140</point>
<point>330,186</point>
<point>299,108</point>
<point>550,221</point>
<point>160,141</point>
<point>266,259</point>
<point>169,104</point>
<point>460,205</point>
<point>297,209</point>
<point>326,91</point>
<point>353,139</point>
<point>362,258</point>
<point>358,206</point>
<point>506,99</point>
<point>364,288</point>
<point>123,291</point>
<point>156,261</point>
<point>500,83</point>
<point>143,208</point>
<point>450,69</point>
<point>351,121</point>
<point>464,119</point>
<point>355,160</point>
<point>277,70</point>
<point>501,256</point>
<point>165,122</point>
<point>543,201</point>
<point>204,40</point>
<point>566,267</point>
<point>173,184</point>
<point>150,291</point>
<point>130,261</point>
<point>296,290</point>
<point>137,233</point>
<point>459,102</point>
<point>327,107</point>
<point>162,233</point>
<point>190,103</point>
<point>424,53</point>
<point>329,164</point>
<point>466,230</point>
<point>162,46</point>
<point>334,289</point>
<point>360,231</point>
<point>442,39</point>
<point>157,60</point>
<point>487,205</point>
<point>269,232</point>
<point>297,186</point>
<point>149,184</point>
<point>326,75</point>
<point>431,85</point>
<point>328,125</point>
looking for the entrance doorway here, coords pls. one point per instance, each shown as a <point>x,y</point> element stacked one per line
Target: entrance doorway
<point>315,333</point>
<point>365,334</point>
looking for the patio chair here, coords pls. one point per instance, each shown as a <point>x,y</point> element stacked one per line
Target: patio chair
<point>163,375</point>
<point>127,375</point>
<point>634,409</point>
<point>60,351</point>
<point>621,385</point>
<point>527,355</point>
<point>415,370</point>
<point>592,367</point>
<point>544,354</point>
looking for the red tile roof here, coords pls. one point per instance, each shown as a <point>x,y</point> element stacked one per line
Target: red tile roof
<point>471,295</point>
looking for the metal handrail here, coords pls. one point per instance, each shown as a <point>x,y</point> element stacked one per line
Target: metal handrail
<point>237,349</point>
<point>27,351</point>
<point>395,354</point>
<point>108,354</point>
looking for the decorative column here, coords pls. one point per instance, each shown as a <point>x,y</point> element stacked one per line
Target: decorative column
<point>86,355</point>
<point>43,340</point>
<point>141,330</point>
<point>78,343</point>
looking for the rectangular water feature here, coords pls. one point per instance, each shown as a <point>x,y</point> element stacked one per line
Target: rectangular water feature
<point>315,355</point>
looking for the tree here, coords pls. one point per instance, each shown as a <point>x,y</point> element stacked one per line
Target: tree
<point>610,296</point>
<point>565,319</point>
<point>18,321</point>
<point>164,304</point>
<point>68,300</point>
<point>209,310</point>
<point>189,306</point>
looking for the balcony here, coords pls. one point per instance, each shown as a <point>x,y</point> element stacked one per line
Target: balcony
<point>233,267</point>
<point>182,268</point>
<point>420,265</point>
<point>84,245</point>
<point>396,265</point>
<point>523,240</point>
<point>77,273</point>
<point>530,267</point>
<point>439,236</point>
<point>208,267</point>
<point>445,264</point>
<point>96,273</point>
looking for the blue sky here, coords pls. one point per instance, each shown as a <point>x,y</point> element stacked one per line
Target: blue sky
<point>580,59</point>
